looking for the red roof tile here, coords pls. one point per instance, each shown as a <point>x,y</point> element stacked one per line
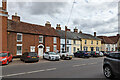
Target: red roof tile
<point>31,28</point>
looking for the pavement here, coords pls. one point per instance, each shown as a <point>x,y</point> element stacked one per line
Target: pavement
<point>75,68</point>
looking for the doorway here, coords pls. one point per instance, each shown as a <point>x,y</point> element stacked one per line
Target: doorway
<point>40,50</point>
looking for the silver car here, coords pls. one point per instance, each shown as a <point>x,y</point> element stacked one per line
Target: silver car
<point>51,56</point>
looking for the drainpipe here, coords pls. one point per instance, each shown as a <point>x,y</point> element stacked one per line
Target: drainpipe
<point>44,42</point>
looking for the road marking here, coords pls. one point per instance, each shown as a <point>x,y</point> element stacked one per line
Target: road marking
<point>35,71</point>
<point>28,72</point>
<point>94,63</point>
<point>51,69</point>
<point>83,64</point>
<point>76,65</point>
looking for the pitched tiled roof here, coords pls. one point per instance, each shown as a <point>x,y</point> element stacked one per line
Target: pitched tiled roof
<point>30,28</point>
<point>114,39</point>
<point>106,40</point>
<point>72,35</point>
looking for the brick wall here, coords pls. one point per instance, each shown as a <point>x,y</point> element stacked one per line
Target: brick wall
<point>29,40</point>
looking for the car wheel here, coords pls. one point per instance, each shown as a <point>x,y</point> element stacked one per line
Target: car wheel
<point>7,63</point>
<point>63,57</point>
<point>108,72</point>
<point>49,58</point>
<point>43,57</point>
<point>12,60</point>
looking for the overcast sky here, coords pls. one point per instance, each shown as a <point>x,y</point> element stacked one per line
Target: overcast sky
<point>87,15</point>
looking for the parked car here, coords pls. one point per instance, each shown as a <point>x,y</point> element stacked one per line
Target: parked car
<point>101,54</point>
<point>29,57</point>
<point>106,53</point>
<point>111,65</point>
<point>94,53</point>
<point>65,55</point>
<point>82,54</point>
<point>5,57</point>
<point>51,56</point>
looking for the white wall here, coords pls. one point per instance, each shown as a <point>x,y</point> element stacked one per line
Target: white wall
<point>62,42</point>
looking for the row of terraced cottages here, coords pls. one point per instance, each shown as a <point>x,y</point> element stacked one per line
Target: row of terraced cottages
<point>18,37</point>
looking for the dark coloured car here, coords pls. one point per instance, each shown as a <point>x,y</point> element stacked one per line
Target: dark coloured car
<point>82,54</point>
<point>106,53</point>
<point>94,53</point>
<point>111,66</point>
<point>29,57</point>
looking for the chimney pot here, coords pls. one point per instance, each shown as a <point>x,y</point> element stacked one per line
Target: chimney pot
<point>94,34</point>
<point>58,27</point>
<point>47,24</point>
<point>76,30</point>
<point>4,4</point>
<point>16,18</point>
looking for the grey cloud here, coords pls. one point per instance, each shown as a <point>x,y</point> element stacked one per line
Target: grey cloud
<point>49,8</point>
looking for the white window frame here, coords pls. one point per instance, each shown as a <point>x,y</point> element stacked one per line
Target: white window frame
<point>32,47</point>
<point>42,39</point>
<point>21,49</point>
<point>54,40</point>
<point>47,48</point>
<point>21,37</point>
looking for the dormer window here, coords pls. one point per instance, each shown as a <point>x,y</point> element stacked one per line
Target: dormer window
<point>19,37</point>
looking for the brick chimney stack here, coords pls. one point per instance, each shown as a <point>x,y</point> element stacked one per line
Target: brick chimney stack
<point>16,18</point>
<point>47,24</point>
<point>76,30</point>
<point>3,26</point>
<point>94,34</point>
<point>58,27</point>
<point>4,5</point>
<point>66,29</point>
<point>80,31</point>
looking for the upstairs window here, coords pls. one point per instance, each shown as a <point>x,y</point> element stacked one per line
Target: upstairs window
<point>97,42</point>
<point>55,40</point>
<point>19,37</point>
<point>40,39</point>
<point>91,42</point>
<point>74,42</point>
<point>85,41</point>
<point>67,41</point>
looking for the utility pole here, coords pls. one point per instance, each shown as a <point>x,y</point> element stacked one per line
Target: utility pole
<point>65,37</point>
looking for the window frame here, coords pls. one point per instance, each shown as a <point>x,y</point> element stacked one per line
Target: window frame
<point>39,39</point>
<point>85,41</point>
<point>20,51</point>
<point>54,46</point>
<point>21,37</point>
<point>54,40</point>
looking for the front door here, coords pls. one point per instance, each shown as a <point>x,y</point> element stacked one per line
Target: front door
<point>40,52</point>
<point>92,48</point>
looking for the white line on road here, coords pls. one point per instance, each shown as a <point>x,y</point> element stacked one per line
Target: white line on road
<point>51,69</point>
<point>27,72</point>
<point>76,65</point>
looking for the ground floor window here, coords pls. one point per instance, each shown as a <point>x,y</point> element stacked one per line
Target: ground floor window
<point>97,48</point>
<point>32,48</point>
<point>85,48</point>
<point>55,47</point>
<point>19,49</point>
<point>67,49</point>
<point>74,49</point>
<point>47,49</point>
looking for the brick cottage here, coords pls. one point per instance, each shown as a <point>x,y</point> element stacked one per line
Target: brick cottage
<point>18,37</point>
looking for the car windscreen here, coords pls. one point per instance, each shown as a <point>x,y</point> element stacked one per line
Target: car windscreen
<point>32,54</point>
<point>52,53</point>
<point>3,54</point>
